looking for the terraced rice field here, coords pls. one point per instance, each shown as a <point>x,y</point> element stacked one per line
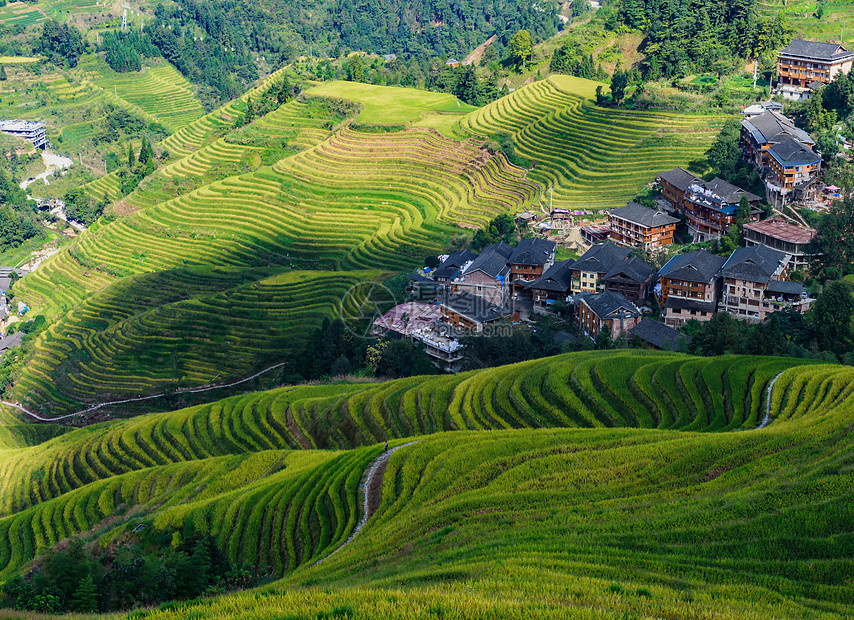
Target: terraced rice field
<point>525,490</point>
<point>166,330</point>
<point>593,157</point>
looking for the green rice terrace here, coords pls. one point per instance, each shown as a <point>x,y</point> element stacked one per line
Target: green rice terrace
<point>589,485</point>
<point>317,185</point>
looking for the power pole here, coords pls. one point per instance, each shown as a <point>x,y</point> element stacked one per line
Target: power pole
<point>755,71</point>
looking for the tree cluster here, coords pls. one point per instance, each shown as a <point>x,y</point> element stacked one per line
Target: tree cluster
<point>569,59</point>
<point>124,51</point>
<point>80,207</point>
<point>62,44</point>
<point>119,123</point>
<point>690,36</point>
<point>18,216</point>
<point>501,228</point>
<point>152,568</point>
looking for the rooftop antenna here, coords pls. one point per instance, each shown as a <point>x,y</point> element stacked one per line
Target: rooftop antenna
<point>125,17</point>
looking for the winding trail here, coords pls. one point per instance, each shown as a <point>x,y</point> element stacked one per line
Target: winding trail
<point>91,408</point>
<point>373,494</point>
<point>767,418</point>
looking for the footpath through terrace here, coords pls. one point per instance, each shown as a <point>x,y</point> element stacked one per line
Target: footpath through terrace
<point>372,486</point>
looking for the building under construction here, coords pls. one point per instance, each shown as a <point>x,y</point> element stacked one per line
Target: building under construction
<point>34,131</point>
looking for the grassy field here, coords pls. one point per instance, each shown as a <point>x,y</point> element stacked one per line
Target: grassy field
<point>800,15</point>
<point>587,485</point>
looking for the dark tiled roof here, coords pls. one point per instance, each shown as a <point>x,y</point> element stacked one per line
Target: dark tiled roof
<point>417,277</point>
<point>792,153</point>
<point>683,303</point>
<point>451,265</point>
<point>816,50</point>
<point>601,258</point>
<point>639,214</point>
<point>772,126</point>
<point>532,252</point>
<point>605,305</point>
<point>657,334</point>
<point>634,269</point>
<point>557,278</point>
<point>729,193</point>
<point>698,266</point>
<point>785,288</point>
<point>492,260</point>
<point>11,341</point>
<point>475,308</point>
<point>678,177</point>
<point>758,263</point>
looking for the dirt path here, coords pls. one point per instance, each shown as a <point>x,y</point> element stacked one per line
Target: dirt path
<point>373,486</point>
<point>767,418</point>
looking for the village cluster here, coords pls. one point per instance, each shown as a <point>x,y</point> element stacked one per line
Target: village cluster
<point>612,288</point>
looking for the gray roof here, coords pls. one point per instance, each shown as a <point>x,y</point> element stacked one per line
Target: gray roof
<point>601,258</point>
<point>785,287</point>
<point>684,303</point>
<point>11,341</point>
<point>557,278</point>
<point>772,126</point>
<point>816,50</point>
<point>607,304</point>
<point>727,192</point>
<point>532,251</point>
<point>758,263</point>
<point>451,265</point>
<point>492,260</point>
<point>639,214</point>
<point>634,269</point>
<point>791,152</point>
<point>475,308</point>
<point>657,334</point>
<point>678,177</point>
<point>698,266</point>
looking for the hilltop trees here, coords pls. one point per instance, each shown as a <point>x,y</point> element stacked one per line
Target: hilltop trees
<point>521,47</point>
<point>61,43</point>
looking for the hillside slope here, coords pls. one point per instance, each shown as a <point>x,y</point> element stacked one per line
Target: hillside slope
<point>502,521</point>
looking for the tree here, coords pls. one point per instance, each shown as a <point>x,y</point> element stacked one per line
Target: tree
<point>521,47</point>
<point>131,158</point>
<point>833,244</point>
<point>619,81</point>
<point>830,319</point>
<point>604,339</point>
<point>3,77</point>
<point>356,68</point>
<point>725,155</point>
<point>85,598</point>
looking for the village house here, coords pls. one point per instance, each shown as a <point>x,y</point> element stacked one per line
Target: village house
<point>674,183</point>
<point>606,309</point>
<point>561,219</point>
<point>782,235</point>
<point>711,207</point>
<point>405,319</point>
<point>803,66</point>
<point>760,132</point>
<point>554,285</point>
<point>589,271</point>
<point>473,313</point>
<point>792,172</point>
<point>529,261</point>
<point>637,226</point>
<point>658,336</point>
<point>486,275</point>
<point>754,284</point>
<point>452,266</point>
<point>595,233</point>
<point>690,287</point>
<point>631,278</point>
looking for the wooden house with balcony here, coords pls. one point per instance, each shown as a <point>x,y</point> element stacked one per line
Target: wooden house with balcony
<point>529,261</point>
<point>803,66</point>
<point>689,287</point>
<point>631,278</point>
<point>589,271</point>
<point>755,284</point>
<point>606,309</point>
<point>486,275</point>
<point>711,207</point>
<point>637,226</point>
<point>792,172</point>
<point>674,183</point>
<point>554,285</point>
<point>759,133</point>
